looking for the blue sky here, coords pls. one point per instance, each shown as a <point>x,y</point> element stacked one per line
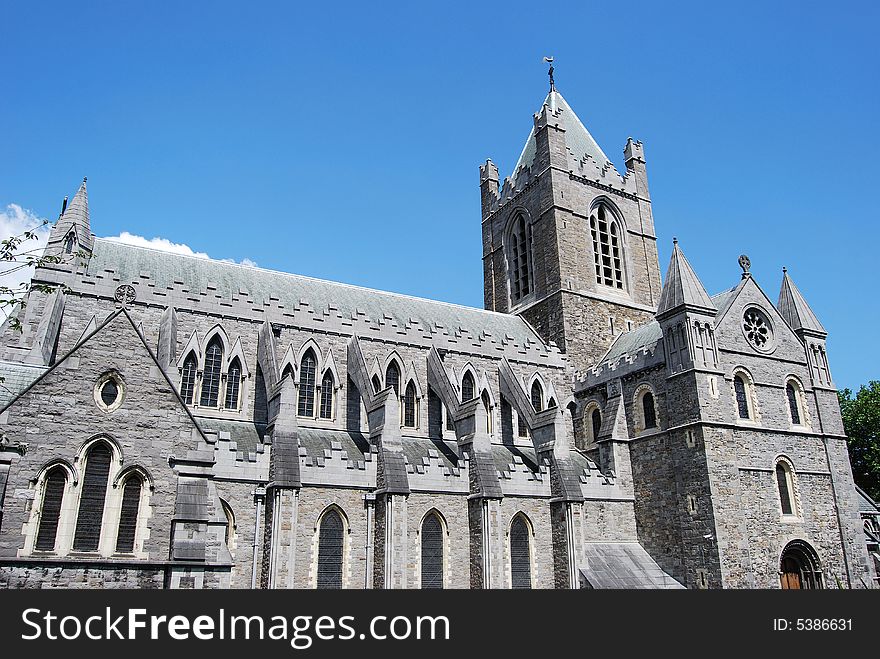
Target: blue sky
<point>342,141</point>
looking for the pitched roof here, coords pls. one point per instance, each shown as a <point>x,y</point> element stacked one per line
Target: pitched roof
<point>577,138</point>
<point>641,338</point>
<point>794,308</point>
<point>230,281</point>
<point>682,287</point>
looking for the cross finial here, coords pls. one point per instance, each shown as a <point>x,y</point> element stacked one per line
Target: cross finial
<point>549,61</point>
<point>745,264</point>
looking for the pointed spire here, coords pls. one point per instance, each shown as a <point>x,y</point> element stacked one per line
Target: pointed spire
<point>77,211</point>
<point>682,287</point>
<point>74,219</point>
<point>794,308</point>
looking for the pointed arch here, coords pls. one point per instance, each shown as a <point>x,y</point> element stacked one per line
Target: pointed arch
<point>216,332</point>
<point>330,363</point>
<point>537,392</point>
<point>517,239</point>
<point>310,344</point>
<point>327,395</point>
<point>410,406</point>
<point>212,370</point>
<point>55,484</point>
<point>234,376</point>
<point>486,400</point>
<point>520,536</point>
<point>70,241</point>
<point>467,382</point>
<point>188,378</point>
<point>308,368</point>
<point>93,495</point>
<point>393,375</point>
<point>129,512</point>
<point>608,234</point>
<point>237,350</point>
<point>433,532</point>
<point>192,346</point>
<point>331,530</point>
<point>289,364</point>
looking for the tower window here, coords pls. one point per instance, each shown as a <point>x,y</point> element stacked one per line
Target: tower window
<point>330,545</point>
<point>606,248</point>
<point>69,244</point>
<point>649,411</point>
<point>211,377</point>
<point>91,503</point>
<point>188,379</point>
<point>306,402</point>
<point>50,512</point>
<point>233,385</point>
<point>519,255</point>
<point>432,552</point>
<point>785,484</point>
<point>793,406</point>
<point>596,420</point>
<point>740,388</point>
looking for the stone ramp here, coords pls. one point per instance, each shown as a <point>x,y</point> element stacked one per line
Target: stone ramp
<point>622,565</point>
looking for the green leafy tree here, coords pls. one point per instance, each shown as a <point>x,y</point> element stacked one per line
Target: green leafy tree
<point>861,420</point>
<point>15,255</point>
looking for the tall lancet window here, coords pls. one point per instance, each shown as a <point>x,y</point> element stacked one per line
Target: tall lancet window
<point>306,402</point>
<point>519,254</point>
<point>91,502</point>
<point>233,385</point>
<point>188,379</point>
<point>392,377</point>
<point>468,387</point>
<point>211,376</point>
<point>607,252</point>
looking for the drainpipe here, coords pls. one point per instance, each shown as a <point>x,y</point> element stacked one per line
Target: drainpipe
<point>259,492</point>
<point>369,502</point>
<point>487,581</point>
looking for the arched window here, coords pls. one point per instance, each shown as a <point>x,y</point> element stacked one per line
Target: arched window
<point>432,552</point>
<point>519,255</point>
<point>330,546</point>
<point>740,388</point>
<point>326,411</point>
<point>128,515</point>
<point>91,502</point>
<point>306,404</point>
<point>520,554</point>
<point>649,411</point>
<point>69,244</point>
<point>487,408</point>
<point>392,377</point>
<point>409,406</point>
<point>785,485</point>
<point>188,379</point>
<point>50,511</point>
<point>606,248</point>
<point>468,387</point>
<point>794,407</point>
<point>211,375</point>
<point>233,385</point>
<point>596,421</point>
<point>376,384</point>
<point>537,396</point>
<point>799,567</point>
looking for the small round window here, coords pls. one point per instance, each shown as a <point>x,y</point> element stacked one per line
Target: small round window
<point>757,329</point>
<point>109,391</point>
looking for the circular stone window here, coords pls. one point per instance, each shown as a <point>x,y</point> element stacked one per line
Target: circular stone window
<point>109,392</point>
<point>757,329</point>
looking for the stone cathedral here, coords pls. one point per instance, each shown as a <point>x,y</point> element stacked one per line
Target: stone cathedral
<point>177,422</point>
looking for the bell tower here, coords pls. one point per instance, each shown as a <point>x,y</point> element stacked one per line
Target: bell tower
<point>569,243</point>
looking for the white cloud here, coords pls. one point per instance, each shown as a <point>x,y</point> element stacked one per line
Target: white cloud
<point>15,220</point>
<point>165,245</point>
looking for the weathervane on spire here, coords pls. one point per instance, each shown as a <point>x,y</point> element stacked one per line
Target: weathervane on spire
<point>549,61</point>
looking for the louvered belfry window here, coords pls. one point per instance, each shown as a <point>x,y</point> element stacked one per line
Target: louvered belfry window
<point>128,516</point>
<point>326,411</point>
<point>606,249</point>
<point>306,404</point>
<point>520,554</point>
<point>432,552</point>
<point>211,376</point>
<point>468,387</point>
<point>520,248</point>
<point>233,385</point>
<point>793,404</point>
<point>188,379</point>
<point>330,543</point>
<point>91,503</point>
<point>50,512</point>
<point>409,405</point>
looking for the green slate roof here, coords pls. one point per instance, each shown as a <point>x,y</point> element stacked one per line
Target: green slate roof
<point>256,285</point>
<point>577,138</point>
<point>16,378</point>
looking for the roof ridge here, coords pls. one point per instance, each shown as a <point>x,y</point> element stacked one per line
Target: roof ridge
<point>309,278</point>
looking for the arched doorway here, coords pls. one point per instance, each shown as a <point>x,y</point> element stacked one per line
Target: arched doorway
<point>799,567</point>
